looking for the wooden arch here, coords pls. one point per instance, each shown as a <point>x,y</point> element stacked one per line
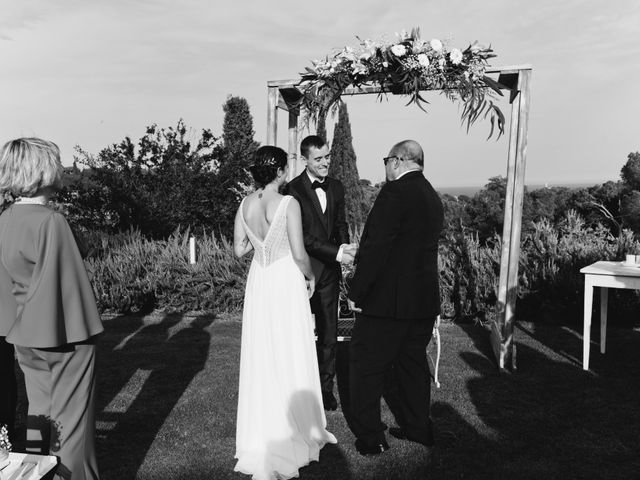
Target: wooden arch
<point>285,94</point>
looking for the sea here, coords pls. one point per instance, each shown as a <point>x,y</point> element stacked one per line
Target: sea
<point>471,190</point>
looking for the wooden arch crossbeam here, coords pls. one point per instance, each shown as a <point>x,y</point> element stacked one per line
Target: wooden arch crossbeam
<point>285,94</point>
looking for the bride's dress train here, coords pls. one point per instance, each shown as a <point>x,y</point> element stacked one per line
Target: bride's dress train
<point>281,425</point>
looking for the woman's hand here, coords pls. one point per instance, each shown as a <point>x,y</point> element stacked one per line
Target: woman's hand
<point>311,286</point>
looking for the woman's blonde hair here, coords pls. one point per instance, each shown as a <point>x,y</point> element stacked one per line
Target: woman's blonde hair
<point>28,165</point>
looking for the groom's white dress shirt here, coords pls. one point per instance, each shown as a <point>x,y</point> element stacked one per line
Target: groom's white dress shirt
<point>322,198</point>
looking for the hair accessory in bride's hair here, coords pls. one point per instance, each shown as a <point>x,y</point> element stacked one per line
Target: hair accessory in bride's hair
<point>266,162</point>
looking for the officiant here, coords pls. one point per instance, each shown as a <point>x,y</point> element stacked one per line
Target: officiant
<point>395,291</point>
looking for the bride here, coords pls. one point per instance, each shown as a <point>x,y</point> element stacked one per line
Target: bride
<point>281,424</point>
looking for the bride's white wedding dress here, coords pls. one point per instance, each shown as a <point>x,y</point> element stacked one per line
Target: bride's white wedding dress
<point>281,425</point>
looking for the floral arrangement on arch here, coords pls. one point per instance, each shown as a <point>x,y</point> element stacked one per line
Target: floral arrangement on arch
<point>407,66</point>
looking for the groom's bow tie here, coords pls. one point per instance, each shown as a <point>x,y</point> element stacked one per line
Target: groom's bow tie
<point>322,185</point>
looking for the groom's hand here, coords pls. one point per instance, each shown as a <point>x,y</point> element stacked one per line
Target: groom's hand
<point>352,306</point>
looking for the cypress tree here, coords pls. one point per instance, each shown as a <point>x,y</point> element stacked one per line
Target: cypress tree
<point>237,137</point>
<point>343,167</point>
<point>321,129</point>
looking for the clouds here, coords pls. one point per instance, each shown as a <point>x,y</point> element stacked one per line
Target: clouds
<point>88,73</point>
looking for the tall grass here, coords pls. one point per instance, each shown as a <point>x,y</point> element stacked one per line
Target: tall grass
<point>131,273</point>
<point>550,285</point>
<point>141,274</point>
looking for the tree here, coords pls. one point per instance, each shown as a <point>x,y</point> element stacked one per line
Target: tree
<point>321,126</point>
<point>162,183</point>
<point>629,199</point>
<point>630,210</point>
<point>370,193</point>
<point>486,209</point>
<point>237,140</point>
<point>630,172</point>
<point>343,167</point>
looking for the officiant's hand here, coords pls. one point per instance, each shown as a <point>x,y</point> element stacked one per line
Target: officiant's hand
<point>347,258</point>
<point>348,253</point>
<point>311,286</point>
<point>352,306</point>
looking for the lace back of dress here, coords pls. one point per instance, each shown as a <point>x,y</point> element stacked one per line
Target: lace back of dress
<point>276,243</point>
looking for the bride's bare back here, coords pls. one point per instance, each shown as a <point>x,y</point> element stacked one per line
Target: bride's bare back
<point>258,213</point>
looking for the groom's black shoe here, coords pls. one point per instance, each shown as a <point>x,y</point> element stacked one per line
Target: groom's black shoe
<point>401,434</point>
<point>374,449</point>
<point>329,401</point>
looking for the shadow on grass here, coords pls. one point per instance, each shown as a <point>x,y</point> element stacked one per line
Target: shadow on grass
<point>144,369</point>
<point>550,419</point>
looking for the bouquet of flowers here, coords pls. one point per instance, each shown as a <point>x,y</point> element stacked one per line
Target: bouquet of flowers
<point>407,66</point>
<point>5,444</point>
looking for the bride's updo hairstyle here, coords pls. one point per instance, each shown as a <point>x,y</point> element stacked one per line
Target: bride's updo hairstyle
<point>266,162</point>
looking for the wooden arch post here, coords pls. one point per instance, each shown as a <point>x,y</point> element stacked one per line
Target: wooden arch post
<point>285,94</point>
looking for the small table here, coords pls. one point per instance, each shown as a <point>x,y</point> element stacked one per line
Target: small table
<point>604,275</point>
<point>27,466</point>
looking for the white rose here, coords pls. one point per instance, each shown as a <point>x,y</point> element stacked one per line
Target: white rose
<point>423,60</point>
<point>455,56</point>
<point>399,50</point>
<point>385,64</point>
<point>436,44</point>
<point>359,68</point>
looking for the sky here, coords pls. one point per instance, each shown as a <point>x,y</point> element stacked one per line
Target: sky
<point>89,73</point>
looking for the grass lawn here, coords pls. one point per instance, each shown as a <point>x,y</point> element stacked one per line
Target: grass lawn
<point>168,391</point>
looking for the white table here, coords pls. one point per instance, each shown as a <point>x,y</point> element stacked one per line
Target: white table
<point>27,466</point>
<point>604,275</point>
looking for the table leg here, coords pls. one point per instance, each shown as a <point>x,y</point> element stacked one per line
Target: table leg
<point>604,298</point>
<point>586,334</point>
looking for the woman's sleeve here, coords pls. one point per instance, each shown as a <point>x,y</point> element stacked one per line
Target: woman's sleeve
<point>60,306</point>
<point>8,306</point>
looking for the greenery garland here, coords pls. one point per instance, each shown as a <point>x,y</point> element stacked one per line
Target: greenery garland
<point>407,66</point>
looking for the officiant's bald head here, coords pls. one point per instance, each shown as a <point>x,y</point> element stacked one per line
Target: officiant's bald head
<point>403,157</point>
<point>409,151</point>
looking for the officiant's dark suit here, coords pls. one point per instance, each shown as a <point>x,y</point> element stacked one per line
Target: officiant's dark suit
<point>325,230</point>
<point>396,287</point>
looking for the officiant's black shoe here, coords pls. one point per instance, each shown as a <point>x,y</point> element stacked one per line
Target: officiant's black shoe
<point>329,401</point>
<point>374,449</point>
<point>401,434</point>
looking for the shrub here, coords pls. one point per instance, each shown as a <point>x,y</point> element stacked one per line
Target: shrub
<point>141,274</point>
<point>550,285</point>
<point>131,273</point>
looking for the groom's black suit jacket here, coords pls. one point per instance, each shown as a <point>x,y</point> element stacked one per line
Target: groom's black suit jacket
<point>323,232</point>
<point>397,262</point>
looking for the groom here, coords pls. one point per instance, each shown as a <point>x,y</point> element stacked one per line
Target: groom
<point>396,292</point>
<point>326,239</point>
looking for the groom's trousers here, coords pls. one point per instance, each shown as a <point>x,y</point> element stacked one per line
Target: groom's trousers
<point>379,347</point>
<point>324,305</point>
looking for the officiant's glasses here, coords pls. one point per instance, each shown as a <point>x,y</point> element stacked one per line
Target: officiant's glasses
<point>385,160</point>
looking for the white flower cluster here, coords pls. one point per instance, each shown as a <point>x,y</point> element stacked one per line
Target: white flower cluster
<point>409,51</point>
<point>407,65</point>
<point>5,444</point>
